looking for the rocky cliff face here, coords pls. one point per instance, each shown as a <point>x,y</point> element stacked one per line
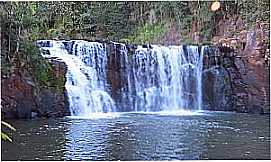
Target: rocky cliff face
<point>250,65</point>
<point>23,98</point>
<point>53,102</point>
<point>232,81</point>
<point>217,87</point>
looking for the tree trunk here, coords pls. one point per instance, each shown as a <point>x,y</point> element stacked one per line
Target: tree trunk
<point>0,40</point>
<point>18,41</point>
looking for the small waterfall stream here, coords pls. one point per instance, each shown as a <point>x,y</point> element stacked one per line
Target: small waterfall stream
<point>156,78</point>
<point>86,79</point>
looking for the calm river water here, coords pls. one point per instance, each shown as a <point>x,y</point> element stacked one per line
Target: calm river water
<point>142,136</point>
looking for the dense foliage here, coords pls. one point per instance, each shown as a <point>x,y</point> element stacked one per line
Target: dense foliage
<point>117,20</point>
<point>138,22</point>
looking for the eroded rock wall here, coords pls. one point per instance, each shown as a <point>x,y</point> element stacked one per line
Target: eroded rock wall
<point>235,83</point>
<point>233,80</point>
<point>250,67</point>
<point>22,98</point>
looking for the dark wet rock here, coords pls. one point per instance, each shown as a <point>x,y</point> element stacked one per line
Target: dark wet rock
<point>217,89</point>
<point>147,46</point>
<point>17,96</point>
<point>232,81</point>
<point>245,76</point>
<point>44,43</point>
<point>114,68</point>
<point>249,69</point>
<point>22,98</point>
<point>52,103</point>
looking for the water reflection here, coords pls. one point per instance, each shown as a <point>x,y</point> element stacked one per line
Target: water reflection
<point>234,137</point>
<point>85,138</point>
<point>148,138</point>
<point>138,136</point>
<point>35,140</point>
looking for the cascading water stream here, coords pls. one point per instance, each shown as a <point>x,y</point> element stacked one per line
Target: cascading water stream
<point>166,78</point>
<point>86,77</point>
<point>152,79</point>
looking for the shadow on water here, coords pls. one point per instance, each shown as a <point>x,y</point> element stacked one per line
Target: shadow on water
<point>35,140</point>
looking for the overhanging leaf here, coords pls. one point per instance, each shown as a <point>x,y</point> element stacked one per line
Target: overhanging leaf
<point>8,125</point>
<point>5,137</point>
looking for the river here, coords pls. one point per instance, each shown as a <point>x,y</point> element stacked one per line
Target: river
<point>142,136</point>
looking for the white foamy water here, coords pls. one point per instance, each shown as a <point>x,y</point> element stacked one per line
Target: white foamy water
<point>157,79</point>
<point>164,79</point>
<point>85,78</point>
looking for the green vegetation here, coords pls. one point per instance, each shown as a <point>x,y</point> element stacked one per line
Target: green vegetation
<point>133,21</point>
<point>148,33</point>
<point>252,11</point>
<point>22,23</point>
<point>4,136</point>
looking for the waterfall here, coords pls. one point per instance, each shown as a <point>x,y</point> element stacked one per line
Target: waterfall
<point>153,78</point>
<point>166,78</point>
<point>86,77</point>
